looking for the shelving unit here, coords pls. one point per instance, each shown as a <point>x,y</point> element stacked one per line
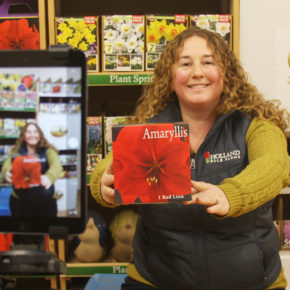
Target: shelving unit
<point>116,93</point>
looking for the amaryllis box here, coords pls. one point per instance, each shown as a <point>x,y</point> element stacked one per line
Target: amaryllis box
<point>218,23</point>
<point>22,24</point>
<point>151,163</point>
<point>160,29</point>
<point>26,171</point>
<point>123,42</point>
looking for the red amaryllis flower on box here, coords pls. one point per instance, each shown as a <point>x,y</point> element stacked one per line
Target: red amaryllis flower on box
<point>151,163</point>
<point>18,34</point>
<point>26,171</point>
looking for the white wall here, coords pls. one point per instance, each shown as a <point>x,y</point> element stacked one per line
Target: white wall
<point>264,49</point>
<point>265,45</point>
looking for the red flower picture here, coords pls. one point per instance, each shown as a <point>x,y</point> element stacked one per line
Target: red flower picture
<point>151,164</point>
<point>19,34</point>
<point>26,171</point>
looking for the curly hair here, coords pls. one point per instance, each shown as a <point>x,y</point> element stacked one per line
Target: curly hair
<point>238,93</point>
<point>43,143</point>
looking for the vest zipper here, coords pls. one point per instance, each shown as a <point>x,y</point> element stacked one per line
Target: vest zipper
<point>203,271</point>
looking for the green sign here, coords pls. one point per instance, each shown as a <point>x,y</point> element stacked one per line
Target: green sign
<point>88,178</point>
<point>88,271</point>
<point>119,79</point>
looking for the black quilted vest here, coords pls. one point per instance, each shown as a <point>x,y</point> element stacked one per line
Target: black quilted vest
<point>184,247</point>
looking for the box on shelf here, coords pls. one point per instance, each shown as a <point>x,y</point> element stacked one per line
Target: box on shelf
<point>218,23</point>
<point>286,234</point>
<point>123,42</point>
<point>109,122</point>
<point>12,127</point>
<point>159,31</point>
<point>92,161</point>
<point>151,163</point>
<point>21,30</point>
<point>94,142</point>
<point>80,33</point>
<point>2,129</point>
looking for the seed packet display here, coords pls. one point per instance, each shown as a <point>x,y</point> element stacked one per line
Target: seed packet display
<point>15,91</point>
<point>151,163</point>
<point>80,33</point>
<point>123,42</point>
<point>218,23</point>
<point>159,31</point>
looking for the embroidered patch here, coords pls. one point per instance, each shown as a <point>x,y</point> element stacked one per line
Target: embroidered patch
<point>222,157</point>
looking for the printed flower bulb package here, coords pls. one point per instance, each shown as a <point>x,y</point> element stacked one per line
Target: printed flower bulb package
<point>218,23</point>
<point>26,171</point>
<point>18,92</point>
<point>19,33</point>
<point>151,163</point>
<point>123,42</point>
<point>159,31</point>
<point>94,142</point>
<point>80,33</point>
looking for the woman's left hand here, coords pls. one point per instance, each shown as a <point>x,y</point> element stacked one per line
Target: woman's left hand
<point>45,182</point>
<point>210,196</point>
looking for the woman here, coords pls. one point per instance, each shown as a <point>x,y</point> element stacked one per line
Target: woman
<point>32,168</point>
<point>224,238</point>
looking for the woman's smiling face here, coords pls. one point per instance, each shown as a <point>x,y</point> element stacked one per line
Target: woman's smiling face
<point>31,136</point>
<point>196,78</point>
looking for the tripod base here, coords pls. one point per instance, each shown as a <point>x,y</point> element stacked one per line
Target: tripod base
<point>30,262</point>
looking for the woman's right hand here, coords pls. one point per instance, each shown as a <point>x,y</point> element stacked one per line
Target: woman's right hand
<point>8,176</point>
<point>107,184</point>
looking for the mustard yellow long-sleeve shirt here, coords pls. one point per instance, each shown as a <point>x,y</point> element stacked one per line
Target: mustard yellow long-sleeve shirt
<point>262,180</point>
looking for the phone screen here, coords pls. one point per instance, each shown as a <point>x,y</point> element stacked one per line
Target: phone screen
<point>42,144</point>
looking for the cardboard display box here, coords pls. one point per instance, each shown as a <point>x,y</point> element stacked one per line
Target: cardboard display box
<point>151,163</point>
<point>24,29</point>
<point>218,23</point>
<point>80,33</point>
<point>123,43</point>
<point>159,31</point>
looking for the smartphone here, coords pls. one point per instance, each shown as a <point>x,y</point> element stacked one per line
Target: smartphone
<point>43,189</point>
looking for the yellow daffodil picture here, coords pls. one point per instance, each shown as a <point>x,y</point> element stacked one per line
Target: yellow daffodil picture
<point>80,33</point>
<point>159,31</point>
